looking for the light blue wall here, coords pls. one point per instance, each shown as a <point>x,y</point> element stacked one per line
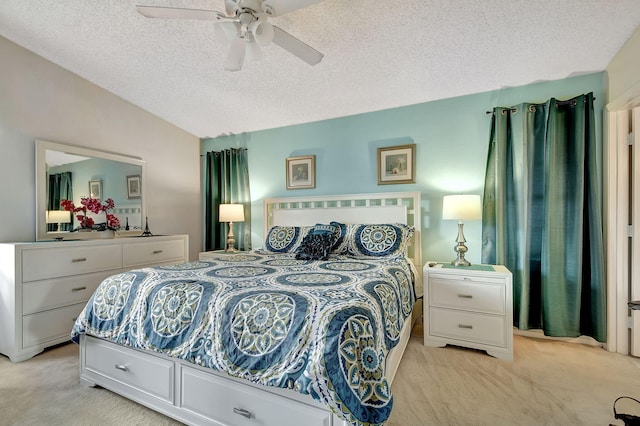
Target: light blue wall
<point>451,138</point>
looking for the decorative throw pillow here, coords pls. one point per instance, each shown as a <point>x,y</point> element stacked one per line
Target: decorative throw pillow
<point>285,239</point>
<point>373,240</point>
<point>316,246</point>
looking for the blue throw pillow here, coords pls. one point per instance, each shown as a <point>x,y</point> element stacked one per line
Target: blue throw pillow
<point>316,246</point>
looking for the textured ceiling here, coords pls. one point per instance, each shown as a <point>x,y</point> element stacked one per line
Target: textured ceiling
<point>378,54</point>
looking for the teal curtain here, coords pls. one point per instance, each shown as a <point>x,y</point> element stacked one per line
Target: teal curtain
<point>59,189</point>
<point>227,181</point>
<point>542,215</point>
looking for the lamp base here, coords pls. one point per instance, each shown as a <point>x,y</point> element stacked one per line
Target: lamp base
<point>460,262</point>
<point>460,248</point>
<point>231,240</point>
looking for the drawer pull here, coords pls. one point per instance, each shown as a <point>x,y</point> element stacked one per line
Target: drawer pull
<point>79,259</point>
<point>242,412</point>
<point>79,288</point>
<point>157,251</point>
<point>469,327</point>
<point>121,367</point>
<point>465,296</point>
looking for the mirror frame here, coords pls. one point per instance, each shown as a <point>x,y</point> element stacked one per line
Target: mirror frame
<point>41,185</point>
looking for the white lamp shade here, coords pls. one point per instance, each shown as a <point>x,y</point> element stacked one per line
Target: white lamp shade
<point>461,207</point>
<point>58,216</point>
<point>231,213</point>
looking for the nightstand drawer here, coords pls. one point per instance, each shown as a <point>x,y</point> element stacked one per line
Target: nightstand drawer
<point>477,328</point>
<point>467,293</point>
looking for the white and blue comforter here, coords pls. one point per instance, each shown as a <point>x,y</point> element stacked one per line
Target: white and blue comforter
<point>323,328</point>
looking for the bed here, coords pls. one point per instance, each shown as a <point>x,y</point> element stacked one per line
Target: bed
<point>278,336</point>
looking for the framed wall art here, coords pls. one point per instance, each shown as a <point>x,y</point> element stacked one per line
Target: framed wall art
<point>134,187</point>
<point>396,164</point>
<point>301,172</point>
<point>95,189</point>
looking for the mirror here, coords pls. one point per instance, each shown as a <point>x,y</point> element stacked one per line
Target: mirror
<point>72,172</point>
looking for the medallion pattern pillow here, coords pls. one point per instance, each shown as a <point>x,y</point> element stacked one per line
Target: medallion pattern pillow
<point>373,240</point>
<point>285,239</point>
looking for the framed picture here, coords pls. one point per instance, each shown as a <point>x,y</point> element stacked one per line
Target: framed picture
<point>134,188</point>
<point>95,189</point>
<point>301,172</point>
<point>397,164</point>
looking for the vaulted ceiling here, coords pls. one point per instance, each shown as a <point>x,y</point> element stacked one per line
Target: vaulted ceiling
<point>378,54</point>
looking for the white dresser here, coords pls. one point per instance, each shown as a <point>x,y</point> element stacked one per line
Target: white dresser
<point>470,307</point>
<point>45,285</point>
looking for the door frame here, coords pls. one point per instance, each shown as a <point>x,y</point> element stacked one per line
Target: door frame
<point>616,208</point>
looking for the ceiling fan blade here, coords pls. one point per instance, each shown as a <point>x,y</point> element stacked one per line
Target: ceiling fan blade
<point>226,31</point>
<point>254,52</point>
<point>296,47</point>
<point>179,13</point>
<point>235,57</point>
<point>282,7</point>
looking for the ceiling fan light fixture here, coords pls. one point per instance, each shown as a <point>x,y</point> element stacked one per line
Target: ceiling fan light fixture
<point>262,31</point>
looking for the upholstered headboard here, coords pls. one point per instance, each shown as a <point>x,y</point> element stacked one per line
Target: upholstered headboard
<point>401,207</point>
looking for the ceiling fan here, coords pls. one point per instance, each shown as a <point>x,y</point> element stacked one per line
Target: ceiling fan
<point>245,24</point>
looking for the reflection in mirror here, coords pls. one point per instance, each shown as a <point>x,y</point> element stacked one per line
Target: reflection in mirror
<point>65,172</point>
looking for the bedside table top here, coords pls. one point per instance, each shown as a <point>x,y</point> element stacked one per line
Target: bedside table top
<point>446,267</point>
<point>443,265</point>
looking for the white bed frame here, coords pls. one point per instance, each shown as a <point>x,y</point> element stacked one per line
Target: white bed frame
<point>199,396</point>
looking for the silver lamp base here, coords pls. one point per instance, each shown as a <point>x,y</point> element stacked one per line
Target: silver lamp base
<point>231,240</point>
<point>460,248</point>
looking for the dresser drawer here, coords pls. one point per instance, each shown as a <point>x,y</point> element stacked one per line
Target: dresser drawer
<point>232,403</point>
<point>49,294</point>
<point>50,325</point>
<point>467,326</point>
<point>152,375</point>
<point>153,252</point>
<point>471,294</point>
<point>45,263</point>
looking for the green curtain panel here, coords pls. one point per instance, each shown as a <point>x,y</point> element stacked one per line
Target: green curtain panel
<point>59,189</point>
<point>542,215</point>
<point>227,181</point>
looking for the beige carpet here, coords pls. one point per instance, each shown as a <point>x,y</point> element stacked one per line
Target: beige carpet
<point>549,383</point>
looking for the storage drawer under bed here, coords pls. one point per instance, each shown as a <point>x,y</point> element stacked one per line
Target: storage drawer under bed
<point>233,403</point>
<point>150,374</point>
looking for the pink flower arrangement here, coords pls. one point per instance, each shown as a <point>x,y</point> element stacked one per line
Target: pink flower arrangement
<point>94,206</point>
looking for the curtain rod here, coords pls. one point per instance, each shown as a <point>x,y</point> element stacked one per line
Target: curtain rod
<point>558,103</point>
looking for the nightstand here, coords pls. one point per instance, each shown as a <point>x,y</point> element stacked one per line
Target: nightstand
<point>470,307</point>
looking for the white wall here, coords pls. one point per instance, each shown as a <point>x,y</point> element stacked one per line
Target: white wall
<point>451,137</point>
<point>622,71</point>
<point>40,100</point>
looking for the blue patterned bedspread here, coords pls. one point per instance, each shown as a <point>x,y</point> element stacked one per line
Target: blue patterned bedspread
<point>323,328</point>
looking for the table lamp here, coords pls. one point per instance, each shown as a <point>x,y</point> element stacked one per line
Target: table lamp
<point>231,213</point>
<point>58,216</point>
<point>461,207</point>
